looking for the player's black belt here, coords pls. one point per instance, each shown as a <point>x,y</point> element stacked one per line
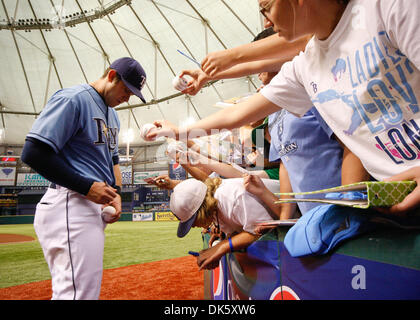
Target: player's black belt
<point>52,186</point>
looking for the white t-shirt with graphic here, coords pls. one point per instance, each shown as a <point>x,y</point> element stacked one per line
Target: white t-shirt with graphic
<point>239,209</point>
<point>365,82</point>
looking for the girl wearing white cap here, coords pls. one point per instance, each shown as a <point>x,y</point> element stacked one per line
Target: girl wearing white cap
<point>224,202</point>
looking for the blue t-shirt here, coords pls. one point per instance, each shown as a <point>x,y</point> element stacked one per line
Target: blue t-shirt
<point>313,159</point>
<point>82,130</point>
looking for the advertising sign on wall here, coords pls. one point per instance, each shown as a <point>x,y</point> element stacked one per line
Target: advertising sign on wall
<point>31,179</point>
<point>7,176</point>
<point>127,174</point>
<point>176,171</point>
<point>165,216</point>
<point>140,176</point>
<point>144,216</point>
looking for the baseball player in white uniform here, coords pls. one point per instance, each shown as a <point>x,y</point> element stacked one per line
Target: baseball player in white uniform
<point>74,144</point>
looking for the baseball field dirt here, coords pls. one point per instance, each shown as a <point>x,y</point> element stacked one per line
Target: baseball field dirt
<point>172,279</point>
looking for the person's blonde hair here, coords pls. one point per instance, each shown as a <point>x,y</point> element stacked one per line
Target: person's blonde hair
<point>208,208</point>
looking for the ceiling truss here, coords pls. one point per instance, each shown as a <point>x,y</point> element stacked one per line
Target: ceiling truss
<point>38,23</point>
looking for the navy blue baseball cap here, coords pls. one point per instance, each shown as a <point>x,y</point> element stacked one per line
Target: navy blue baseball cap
<point>132,74</point>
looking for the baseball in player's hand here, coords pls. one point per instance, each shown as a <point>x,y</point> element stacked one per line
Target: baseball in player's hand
<point>111,212</point>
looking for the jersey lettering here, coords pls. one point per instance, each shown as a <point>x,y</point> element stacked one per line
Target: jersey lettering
<point>105,134</point>
<point>101,130</point>
<point>112,138</point>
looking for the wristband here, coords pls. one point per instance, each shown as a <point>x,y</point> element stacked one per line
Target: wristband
<point>118,190</point>
<point>230,244</point>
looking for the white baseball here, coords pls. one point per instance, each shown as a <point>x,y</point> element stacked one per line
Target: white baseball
<point>108,213</point>
<point>179,83</point>
<point>144,130</point>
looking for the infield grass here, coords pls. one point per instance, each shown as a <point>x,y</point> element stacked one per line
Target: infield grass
<point>126,243</point>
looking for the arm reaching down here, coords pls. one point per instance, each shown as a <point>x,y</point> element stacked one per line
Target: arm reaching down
<point>42,158</point>
<point>209,258</point>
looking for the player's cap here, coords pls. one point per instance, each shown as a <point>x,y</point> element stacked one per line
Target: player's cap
<point>186,199</point>
<point>132,74</point>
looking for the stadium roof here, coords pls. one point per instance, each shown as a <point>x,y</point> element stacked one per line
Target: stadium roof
<point>50,44</point>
